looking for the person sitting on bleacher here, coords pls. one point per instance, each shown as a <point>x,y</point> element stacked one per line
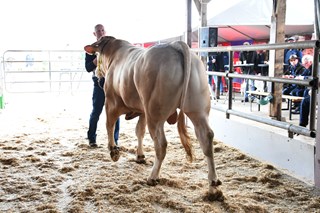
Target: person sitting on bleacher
<point>295,69</point>
<point>307,63</point>
<point>289,52</point>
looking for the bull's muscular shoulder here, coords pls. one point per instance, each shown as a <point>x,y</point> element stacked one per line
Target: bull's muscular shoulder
<point>110,42</point>
<point>104,38</point>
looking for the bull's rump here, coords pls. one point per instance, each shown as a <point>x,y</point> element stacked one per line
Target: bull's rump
<point>159,77</point>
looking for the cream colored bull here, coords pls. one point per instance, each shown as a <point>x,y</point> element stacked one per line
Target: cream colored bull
<point>152,84</point>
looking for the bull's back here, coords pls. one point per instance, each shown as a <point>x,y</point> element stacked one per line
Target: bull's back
<point>163,71</point>
<point>158,76</point>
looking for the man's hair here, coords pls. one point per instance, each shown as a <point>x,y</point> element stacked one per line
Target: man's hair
<point>98,25</point>
<point>307,58</point>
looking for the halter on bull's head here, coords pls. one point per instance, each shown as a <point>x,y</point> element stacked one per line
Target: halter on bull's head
<point>97,48</point>
<point>99,45</point>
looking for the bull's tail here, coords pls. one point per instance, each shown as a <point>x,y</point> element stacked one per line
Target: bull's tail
<point>184,137</point>
<point>183,48</point>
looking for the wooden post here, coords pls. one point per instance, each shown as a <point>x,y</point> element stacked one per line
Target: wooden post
<point>276,56</point>
<point>189,29</point>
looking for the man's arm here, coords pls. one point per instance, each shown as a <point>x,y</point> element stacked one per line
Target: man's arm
<point>90,62</point>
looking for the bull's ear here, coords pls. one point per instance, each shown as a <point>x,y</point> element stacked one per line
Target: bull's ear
<point>89,49</point>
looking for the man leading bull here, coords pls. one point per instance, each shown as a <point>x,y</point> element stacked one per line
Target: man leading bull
<point>98,96</point>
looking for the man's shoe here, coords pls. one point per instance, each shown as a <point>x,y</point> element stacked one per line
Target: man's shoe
<point>92,144</point>
<point>296,111</point>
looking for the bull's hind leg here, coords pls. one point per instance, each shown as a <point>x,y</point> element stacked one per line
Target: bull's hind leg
<point>160,145</point>
<point>205,136</point>
<point>140,132</point>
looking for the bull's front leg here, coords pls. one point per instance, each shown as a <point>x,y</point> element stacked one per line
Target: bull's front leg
<point>113,148</point>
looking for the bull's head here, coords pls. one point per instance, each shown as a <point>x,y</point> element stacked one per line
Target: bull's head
<point>99,45</point>
<point>97,48</point>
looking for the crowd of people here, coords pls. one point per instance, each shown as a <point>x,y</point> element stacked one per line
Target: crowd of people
<point>297,65</point>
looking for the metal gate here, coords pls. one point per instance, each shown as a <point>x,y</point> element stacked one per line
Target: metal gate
<point>38,71</point>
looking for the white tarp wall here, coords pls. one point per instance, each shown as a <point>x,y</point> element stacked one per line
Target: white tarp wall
<point>253,12</point>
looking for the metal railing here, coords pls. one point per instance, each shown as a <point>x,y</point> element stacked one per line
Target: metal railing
<point>312,82</point>
<point>41,71</point>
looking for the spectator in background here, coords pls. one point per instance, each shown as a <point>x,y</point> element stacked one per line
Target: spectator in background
<point>262,58</point>
<point>29,60</point>
<point>211,63</point>
<point>289,52</point>
<point>303,91</point>
<point>295,69</point>
<point>248,57</point>
<point>222,59</point>
<point>307,61</point>
<point>307,51</point>
<point>305,109</point>
<point>305,103</point>
<point>262,61</point>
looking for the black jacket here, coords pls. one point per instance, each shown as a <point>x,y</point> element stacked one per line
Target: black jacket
<point>90,66</point>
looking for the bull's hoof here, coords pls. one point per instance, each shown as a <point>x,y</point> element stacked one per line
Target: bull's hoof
<point>216,196</point>
<point>115,153</point>
<point>141,159</point>
<point>153,182</point>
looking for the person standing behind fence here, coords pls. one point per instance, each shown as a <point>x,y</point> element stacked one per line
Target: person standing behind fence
<point>98,96</point>
<point>262,58</point>
<point>222,59</point>
<point>211,64</point>
<point>248,57</point>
